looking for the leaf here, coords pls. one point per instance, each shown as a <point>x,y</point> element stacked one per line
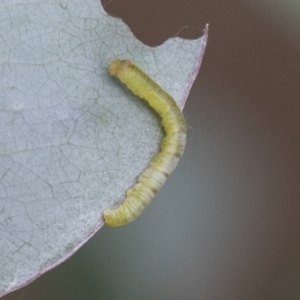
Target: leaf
<point>72,139</point>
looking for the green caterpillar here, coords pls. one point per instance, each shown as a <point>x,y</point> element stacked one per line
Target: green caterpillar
<point>172,146</point>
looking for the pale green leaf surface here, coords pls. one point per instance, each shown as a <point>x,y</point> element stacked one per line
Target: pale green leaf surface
<point>72,139</point>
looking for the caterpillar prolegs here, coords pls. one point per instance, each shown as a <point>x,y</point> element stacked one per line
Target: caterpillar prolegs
<point>172,146</point>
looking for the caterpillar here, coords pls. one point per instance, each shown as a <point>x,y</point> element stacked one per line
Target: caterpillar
<point>172,145</point>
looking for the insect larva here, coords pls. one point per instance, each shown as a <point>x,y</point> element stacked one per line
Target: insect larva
<point>172,146</point>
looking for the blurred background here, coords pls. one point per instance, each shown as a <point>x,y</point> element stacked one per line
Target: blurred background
<point>226,224</point>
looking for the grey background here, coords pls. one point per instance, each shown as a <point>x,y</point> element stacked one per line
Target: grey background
<point>226,224</point>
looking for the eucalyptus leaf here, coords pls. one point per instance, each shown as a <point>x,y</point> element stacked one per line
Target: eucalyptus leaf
<point>72,139</point>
